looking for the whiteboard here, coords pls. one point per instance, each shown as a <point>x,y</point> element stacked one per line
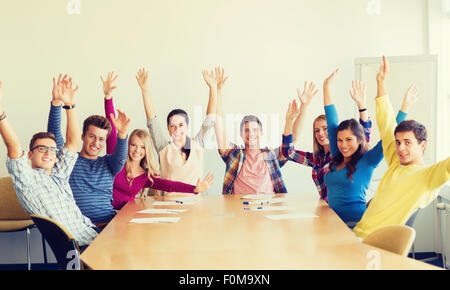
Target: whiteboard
<point>404,71</point>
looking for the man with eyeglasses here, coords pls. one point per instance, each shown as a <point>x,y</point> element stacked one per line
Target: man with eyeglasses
<point>43,188</point>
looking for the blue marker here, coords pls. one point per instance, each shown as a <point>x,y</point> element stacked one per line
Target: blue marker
<point>252,208</point>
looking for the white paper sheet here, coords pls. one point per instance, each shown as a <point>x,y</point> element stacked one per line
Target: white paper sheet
<point>269,208</point>
<point>171,203</point>
<point>258,196</point>
<point>162,210</point>
<point>291,216</point>
<point>155,220</point>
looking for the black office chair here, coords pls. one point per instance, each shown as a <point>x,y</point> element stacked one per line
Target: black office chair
<point>64,246</point>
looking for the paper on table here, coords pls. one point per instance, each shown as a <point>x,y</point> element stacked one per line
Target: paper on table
<point>257,196</point>
<point>162,210</point>
<point>271,208</point>
<point>290,216</point>
<point>155,220</point>
<point>171,203</point>
<point>278,200</point>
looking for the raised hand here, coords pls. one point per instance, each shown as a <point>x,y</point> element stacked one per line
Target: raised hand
<point>142,77</point>
<point>108,84</point>
<point>384,71</point>
<point>68,92</point>
<point>121,123</point>
<point>308,93</point>
<point>205,184</point>
<point>330,78</point>
<point>57,90</point>
<point>292,112</point>
<point>409,99</point>
<point>209,78</point>
<point>358,93</point>
<point>219,75</point>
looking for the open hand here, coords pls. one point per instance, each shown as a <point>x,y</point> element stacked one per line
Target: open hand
<point>121,123</point>
<point>409,99</point>
<point>205,184</point>
<point>358,93</point>
<point>142,78</point>
<point>308,93</point>
<point>108,84</point>
<point>384,71</point>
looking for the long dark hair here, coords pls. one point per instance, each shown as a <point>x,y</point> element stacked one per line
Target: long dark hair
<point>187,146</point>
<point>338,158</point>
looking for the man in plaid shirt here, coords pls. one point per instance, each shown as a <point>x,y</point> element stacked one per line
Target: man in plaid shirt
<point>249,169</point>
<point>43,188</point>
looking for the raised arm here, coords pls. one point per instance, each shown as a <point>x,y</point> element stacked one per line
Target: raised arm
<point>358,94</point>
<point>54,118</point>
<point>305,98</point>
<point>73,131</point>
<point>327,100</point>
<point>117,160</point>
<point>219,127</point>
<point>109,110</point>
<point>142,79</point>
<point>156,134</point>
<point>330,113</point>
<point>9,136</point>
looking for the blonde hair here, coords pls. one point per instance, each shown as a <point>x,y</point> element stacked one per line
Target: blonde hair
<point>316,146</point>
<point>150,162</point>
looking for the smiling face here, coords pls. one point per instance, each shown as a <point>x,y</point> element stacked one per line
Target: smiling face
<point>93,142</point>
<point>320,132</point>
<point>43,160</point>
<point>409,149</point>
<point>250,134</point>
<point>347,143</point>
<point>136,149</point>
<point>177,127</point>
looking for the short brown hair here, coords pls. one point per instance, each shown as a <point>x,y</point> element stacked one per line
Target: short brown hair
<point>250,118</point>
<point>419,130</point>
<point>97,121</point>
<point>41,135</point>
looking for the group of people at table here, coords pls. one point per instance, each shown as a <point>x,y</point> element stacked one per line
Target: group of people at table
<point>83,190</point>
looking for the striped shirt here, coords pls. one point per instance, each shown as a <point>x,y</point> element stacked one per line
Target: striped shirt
<point>319,162</point>
<point>234,160</point>
<point>50,195</point>
<point>92,179</point>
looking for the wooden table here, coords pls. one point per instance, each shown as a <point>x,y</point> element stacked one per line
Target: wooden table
<point>217,233</point>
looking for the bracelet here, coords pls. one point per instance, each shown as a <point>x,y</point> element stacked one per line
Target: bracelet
<point>69,107</point>
<point>362,110</point>
<point>3,116</point>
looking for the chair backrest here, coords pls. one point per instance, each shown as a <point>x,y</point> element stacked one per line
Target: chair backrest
<point>397,239</point>
<point>10,208</point>
<point>64,246</point>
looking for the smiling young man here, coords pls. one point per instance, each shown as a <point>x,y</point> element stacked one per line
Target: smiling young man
<point>408,184</point>
<point>249,169</point>
<point>43,188</point>
<point>92,177</point>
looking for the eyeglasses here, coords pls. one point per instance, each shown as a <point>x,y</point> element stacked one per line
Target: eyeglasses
<point>45,149</point>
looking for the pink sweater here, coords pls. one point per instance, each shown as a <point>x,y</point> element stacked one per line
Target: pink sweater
<point>123,191</point>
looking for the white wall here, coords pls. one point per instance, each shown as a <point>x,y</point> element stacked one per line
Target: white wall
<point>269,48</point>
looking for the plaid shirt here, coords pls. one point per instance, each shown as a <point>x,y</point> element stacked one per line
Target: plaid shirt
<point>50,195</point>
<point>234,159</point>
<point>319,163</point>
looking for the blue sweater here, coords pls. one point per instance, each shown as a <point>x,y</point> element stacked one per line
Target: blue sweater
<point>348,198</point>
<point>92,179</point>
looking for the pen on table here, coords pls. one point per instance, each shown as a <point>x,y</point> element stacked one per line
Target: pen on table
<point>251,208</point>
<point>256,202</point>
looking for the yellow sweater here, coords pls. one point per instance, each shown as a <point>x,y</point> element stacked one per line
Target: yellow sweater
<point>403,189</point>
